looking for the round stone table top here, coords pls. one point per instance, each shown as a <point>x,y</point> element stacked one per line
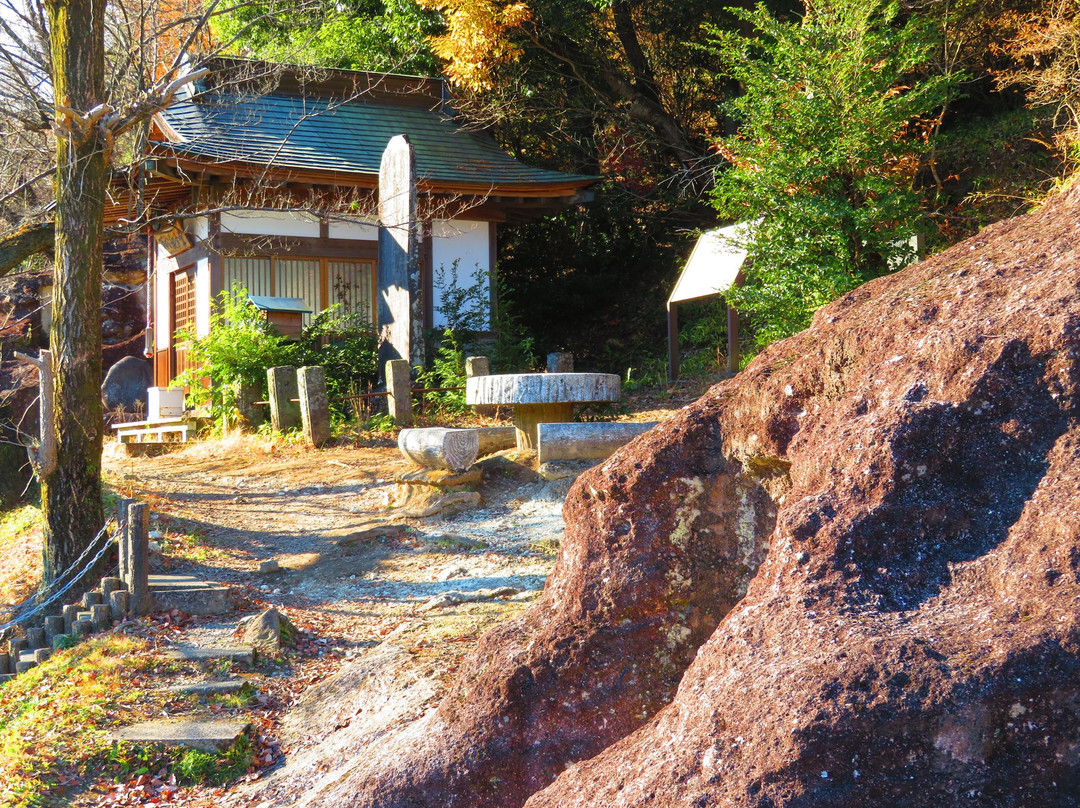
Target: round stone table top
<point>542,388</point>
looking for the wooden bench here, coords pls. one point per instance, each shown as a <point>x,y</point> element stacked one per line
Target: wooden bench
<point>139,431</point>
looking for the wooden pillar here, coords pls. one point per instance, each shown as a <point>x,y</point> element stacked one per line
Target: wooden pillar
<point>732,339</point>
<point>284,412</point>
<point>673,342</point>
<point>314,408</point>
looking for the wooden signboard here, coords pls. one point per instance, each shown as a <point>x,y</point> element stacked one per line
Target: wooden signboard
<point>398,269</point>
<point>173,239</point>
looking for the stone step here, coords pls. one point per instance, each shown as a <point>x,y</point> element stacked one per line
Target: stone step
<point>220,688</point>
<point>244,654</point>
<point>189,595</point>
<point>209,736</point>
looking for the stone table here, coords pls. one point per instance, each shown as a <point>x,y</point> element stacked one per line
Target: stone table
<point>541,398</point>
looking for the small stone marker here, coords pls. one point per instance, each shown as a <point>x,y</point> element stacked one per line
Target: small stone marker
<point>284,412</point>
<point>314,407</point>
<point>477,366</point>
<point>399,390</point>
<point>99,615</point>
<point>270,566</point>
<point>108,586</point>
<point>560,362</point>
<point>118,604</point>
<point>71,614</point>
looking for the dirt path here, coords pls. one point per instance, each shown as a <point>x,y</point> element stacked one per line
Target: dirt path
<point>353,571</point>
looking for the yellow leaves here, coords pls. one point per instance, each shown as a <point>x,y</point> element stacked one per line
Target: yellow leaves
<point>477,38</point>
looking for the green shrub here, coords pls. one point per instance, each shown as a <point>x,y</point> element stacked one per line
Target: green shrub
<point>826,154</point>
<point>240,347</point>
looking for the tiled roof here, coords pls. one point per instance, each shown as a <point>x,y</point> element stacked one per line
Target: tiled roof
<point>313,133</point>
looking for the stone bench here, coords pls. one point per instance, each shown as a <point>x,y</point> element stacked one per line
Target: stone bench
<point>585,441</point>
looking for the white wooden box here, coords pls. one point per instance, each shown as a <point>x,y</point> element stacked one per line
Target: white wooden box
<point>161,402</point>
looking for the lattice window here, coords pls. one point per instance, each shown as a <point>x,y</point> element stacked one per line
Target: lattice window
<point>352,284</point>
<point>183,295</point>
<point>184,301</point>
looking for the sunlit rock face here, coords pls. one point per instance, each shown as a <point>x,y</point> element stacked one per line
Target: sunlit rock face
<point>850,576</point>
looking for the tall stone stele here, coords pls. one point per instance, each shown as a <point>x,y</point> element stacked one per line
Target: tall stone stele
<point>399,306</point>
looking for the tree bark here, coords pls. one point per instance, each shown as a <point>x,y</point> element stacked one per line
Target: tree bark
<point>71,494</point>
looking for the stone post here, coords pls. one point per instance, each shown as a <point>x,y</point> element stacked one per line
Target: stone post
<point>71,614</point>
<point>251,414</point>
<point>560,362</point>
<point>399,388</point>
<point>54,627</point>
<point>118,604</point>
<point>314,407</point>
<point>477,366</point>
<point>35,638</point>
<point>480,366</point>
<point>139,582</point>
<point>284,412</point>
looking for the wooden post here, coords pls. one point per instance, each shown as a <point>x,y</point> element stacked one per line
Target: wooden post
<point>732,339</point>
<point>400,313</point>
<point>673,342</point>
<point>139,583</point>
<point>314,408</point>
<point>43,456</point>
<point>284,412</point>
<point>399,388</point>
<point>123,549</point>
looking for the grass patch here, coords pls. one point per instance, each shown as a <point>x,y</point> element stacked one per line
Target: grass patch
<point>20,553</point>
<point>54,719</point>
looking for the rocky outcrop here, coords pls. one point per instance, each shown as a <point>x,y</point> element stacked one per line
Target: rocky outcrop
<point>847,577</point>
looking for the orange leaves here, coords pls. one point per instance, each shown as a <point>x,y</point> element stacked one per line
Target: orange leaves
<point>477,38</point>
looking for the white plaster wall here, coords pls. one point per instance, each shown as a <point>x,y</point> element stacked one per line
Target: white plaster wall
<point>202,297</point>
<point>363,231</point>
<point>199,227</point>
<point>466,241</point>
<point>270,222</point>
<point>163,267</point>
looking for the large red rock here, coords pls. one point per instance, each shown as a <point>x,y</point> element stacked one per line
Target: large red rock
<point>848,577</point>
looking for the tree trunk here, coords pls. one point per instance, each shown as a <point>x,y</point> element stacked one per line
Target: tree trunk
<point>71,494</point>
